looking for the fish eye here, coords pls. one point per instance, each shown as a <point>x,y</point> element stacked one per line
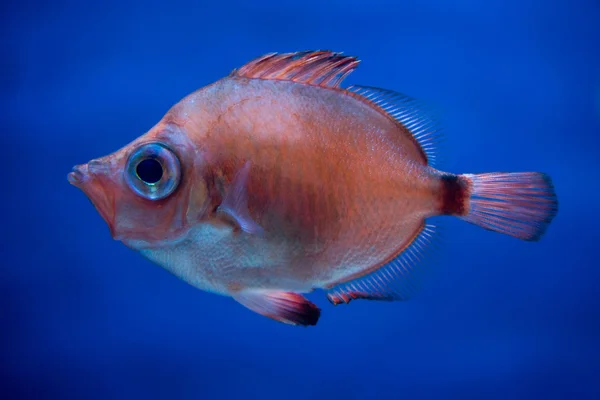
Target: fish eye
<point>153,171</point>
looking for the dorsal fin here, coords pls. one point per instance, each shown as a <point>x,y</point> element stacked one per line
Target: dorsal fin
<point>320,68</point>
<point>406,111</point>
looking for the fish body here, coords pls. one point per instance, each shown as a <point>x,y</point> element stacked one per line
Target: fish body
<point>275,181</point>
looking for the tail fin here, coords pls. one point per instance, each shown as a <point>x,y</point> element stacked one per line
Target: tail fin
<point>518,204</point>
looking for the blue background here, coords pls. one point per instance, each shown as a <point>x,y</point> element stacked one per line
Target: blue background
<point>517,86</point>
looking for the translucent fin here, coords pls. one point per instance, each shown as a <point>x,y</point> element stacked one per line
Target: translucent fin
<point>396,280</point>
<point>519,204</point>
<point>235,203</point>
<point>408,112</point>
<point>320,68</point>
<point>286,307</point>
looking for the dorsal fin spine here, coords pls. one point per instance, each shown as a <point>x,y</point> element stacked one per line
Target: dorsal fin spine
<point>318,68</point>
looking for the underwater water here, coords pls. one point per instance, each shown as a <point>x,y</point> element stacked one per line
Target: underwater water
<point>516,85</point>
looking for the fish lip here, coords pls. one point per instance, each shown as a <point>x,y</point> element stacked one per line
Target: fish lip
<point>78,176</point>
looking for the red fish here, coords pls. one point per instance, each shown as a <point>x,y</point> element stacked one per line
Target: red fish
<point>275,181</point>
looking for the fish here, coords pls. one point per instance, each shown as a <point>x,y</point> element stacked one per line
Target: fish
<point>276,181</point>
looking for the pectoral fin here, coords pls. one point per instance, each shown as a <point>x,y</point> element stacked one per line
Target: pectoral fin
<point>286,307</point>
<point>235,203</point>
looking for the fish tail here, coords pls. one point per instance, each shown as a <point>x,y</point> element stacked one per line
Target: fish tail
<point>520,204</point>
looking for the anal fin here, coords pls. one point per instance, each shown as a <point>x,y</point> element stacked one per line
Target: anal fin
<point>396,280</point>
<point>289,308</point>
<point>347,296</point>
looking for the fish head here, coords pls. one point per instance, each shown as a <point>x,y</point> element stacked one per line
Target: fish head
<point>150,191</point>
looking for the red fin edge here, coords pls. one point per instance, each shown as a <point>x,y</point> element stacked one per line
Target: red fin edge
<point>320,68</point>
<point>347,297</point>
<point>289,308</point>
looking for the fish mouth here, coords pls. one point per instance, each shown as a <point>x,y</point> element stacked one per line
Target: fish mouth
<point>78,175</point>
<point>92,186</point>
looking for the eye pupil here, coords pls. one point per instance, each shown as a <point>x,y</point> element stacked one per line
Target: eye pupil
<point>149,170</point>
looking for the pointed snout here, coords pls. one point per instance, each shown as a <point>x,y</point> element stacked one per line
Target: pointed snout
<point>79,175</point>
<point>94,180</point>
<point>83,173</point>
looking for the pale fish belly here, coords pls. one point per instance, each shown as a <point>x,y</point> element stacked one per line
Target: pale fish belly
<point>214,258</point>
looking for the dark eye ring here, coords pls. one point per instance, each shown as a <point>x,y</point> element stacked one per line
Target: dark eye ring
<point>153,171</point>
